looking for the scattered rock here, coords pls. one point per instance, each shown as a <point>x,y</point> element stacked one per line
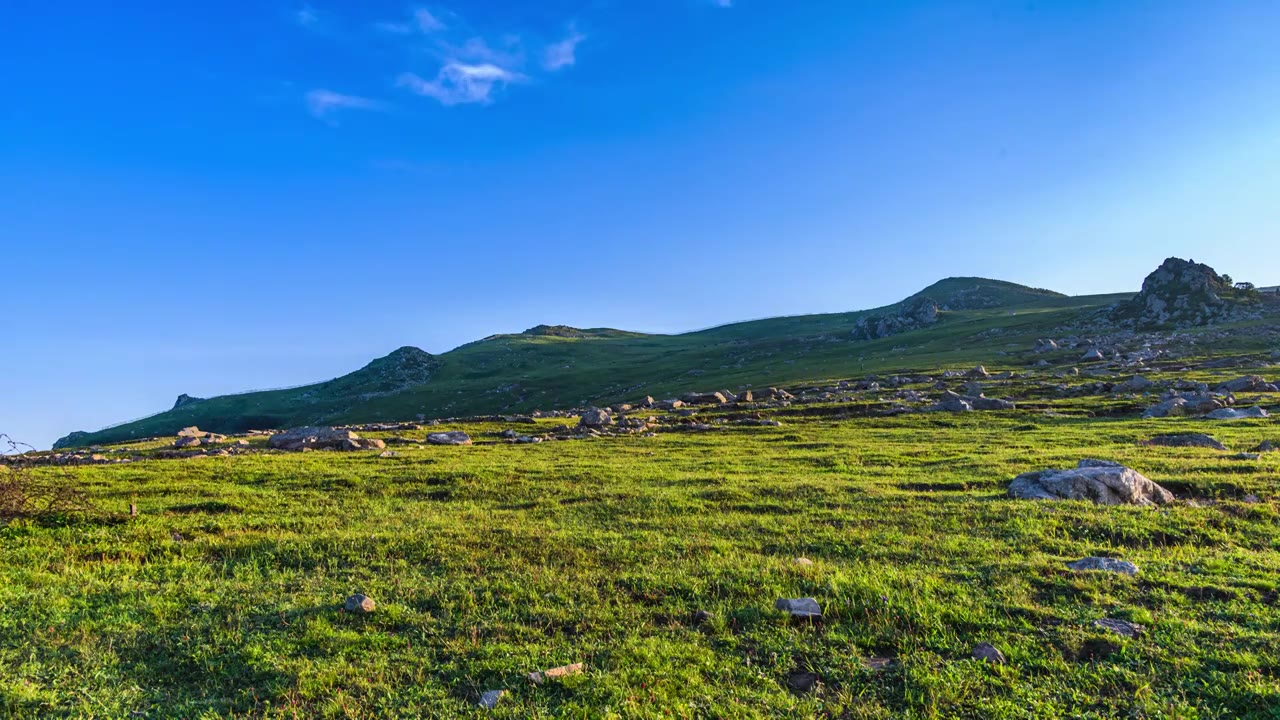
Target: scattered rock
<point>1266,447</point>
<point>804,562</point>
<point>360,604</point>
<point>186,441</point>
<point>987,652</point>
<point>1103,564</point>
<point>802,682</point>
<point>1094,355</point>
<point>554,673</point>
<point>489,700</point>
<point>1108,484</point>
<point>1199,440</point>
<point>1120,627</point>
<point>455,437</point>
<point>1135,384</point>
<point>701,617</point>
<point>800,607</point>
<point>191,432</point>
<point>312,438</point>
<point>1246,456</point>
<point>1046,345</point>
<point>389,454</point>
<point>978,372</point>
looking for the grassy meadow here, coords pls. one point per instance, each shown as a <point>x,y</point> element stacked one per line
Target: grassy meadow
<point>224,596</point>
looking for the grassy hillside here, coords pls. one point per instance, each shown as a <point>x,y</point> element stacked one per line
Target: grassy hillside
<point>224,596</point>
<point>555,366</point>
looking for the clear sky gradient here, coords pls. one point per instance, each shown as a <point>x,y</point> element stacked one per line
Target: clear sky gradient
<point>215,197</point>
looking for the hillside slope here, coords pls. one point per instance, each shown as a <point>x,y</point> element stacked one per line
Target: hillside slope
<point>550,367</point>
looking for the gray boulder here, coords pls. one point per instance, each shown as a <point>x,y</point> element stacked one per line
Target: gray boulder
<point>1105,485</point>
<point>800,607</point>
<point>1135,384</point>
<point>1252,383</point>
<point>1094,355</point>
<point>361,604</point>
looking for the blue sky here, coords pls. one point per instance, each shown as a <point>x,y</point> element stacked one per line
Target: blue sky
<point>214,197</point>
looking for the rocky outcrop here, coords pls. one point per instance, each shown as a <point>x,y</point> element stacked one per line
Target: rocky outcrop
<point>951,402</point>
<point>1099,482</point>
<point>914,315</point>
<point>1184,293</point>
<point>185,399</point>
<point>455,437</point>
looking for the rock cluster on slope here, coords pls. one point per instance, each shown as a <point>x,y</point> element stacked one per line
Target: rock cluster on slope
<point>919,313</point>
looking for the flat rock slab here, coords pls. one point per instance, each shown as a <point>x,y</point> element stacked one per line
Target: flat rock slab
<point>1199,440</point>
<point>558,672</point>
<point>449,438</point>
<point>800,607</point>
<point>1120,627</point>
<point>1102,564</point>
<point>1253,413</point>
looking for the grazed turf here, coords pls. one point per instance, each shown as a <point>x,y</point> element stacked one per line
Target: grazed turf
<point>224,597</point>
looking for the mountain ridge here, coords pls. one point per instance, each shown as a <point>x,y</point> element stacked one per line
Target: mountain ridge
<point>557,366</point>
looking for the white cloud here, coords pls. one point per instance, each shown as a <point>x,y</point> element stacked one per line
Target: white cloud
<point>323,103</point>
<point>563,54</point>
<point>422,20</point>
<point>461,84</point>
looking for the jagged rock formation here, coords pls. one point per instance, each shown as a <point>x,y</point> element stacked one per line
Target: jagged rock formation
<point>1184,293</point>
<point>185,399</point>
<point>913,315</point>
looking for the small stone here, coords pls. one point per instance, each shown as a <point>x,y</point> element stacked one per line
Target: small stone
<point>1120,627</point>
<point>1103,564</point>
<point>1251,499</point>
<point>800,607</point>
<point>389,454</point>
<point>559,672</point>
<point>361,604</point>
<point>987,652</point>
<point>804,562</point>
<point>489,700</point>
<point>802,682</point>
<point>1246,456</point>
<point>701,617</point>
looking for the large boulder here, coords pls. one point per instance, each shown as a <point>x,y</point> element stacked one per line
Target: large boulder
<point>1102,483</point>
<point>594,418</point>
<point>711,398</point>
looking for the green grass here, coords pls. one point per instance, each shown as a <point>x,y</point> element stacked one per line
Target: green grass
<point>493,561</point>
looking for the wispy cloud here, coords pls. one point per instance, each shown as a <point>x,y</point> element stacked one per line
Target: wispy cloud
<point>324,103</point>
<point>461,84</point>
<point>422,20</point>
<point>563,54</point>
<point>307,17</point>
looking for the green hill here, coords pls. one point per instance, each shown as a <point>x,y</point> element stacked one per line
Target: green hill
<point>550,367</point>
